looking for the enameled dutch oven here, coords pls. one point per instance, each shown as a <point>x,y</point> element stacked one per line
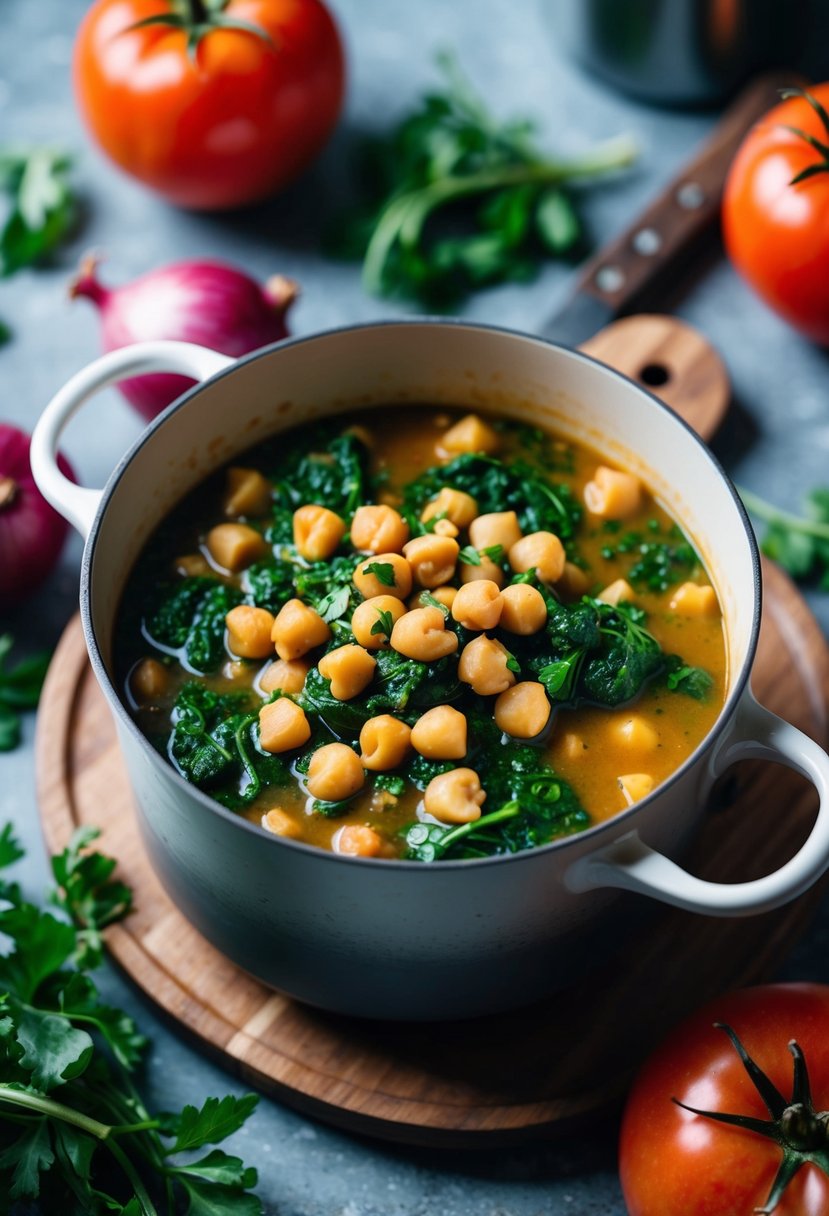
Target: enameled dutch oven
<point>398,939</point>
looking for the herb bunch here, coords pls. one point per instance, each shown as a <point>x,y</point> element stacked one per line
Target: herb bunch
<point>19,690</point>
<point>455,200</point>
<point>40,207</point>
<point>800,544</point>
<point>75,1134</point>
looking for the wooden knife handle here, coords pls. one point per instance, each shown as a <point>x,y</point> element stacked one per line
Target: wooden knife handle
<point>669,227</point>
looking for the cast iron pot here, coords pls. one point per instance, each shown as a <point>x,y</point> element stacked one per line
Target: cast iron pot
<point>398,939</point>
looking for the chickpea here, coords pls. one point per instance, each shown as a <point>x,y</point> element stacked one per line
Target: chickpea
<point>422,634</point>
<point>523,609</point>
<point>443,595</point>
<point>455,797</point>
<point>192,565</point>
<point>573,583</point>
<point>149,681</point>
<point>478,605</point>
<point>234,669</point>
<point>440,734</point>
<point>445,527</point>
<point>384,743</point>
<point>539,551</point>
<point>379,529</point>
<point>635,733</point>
<point>280,823</point>
<point>247,493</point>
<point>693,600</point>
<point>369,619</point>
<point>317,532</point>
<point>635,786</point>
<point>298,629</point>
<point>235,546</point>
<point>459,508</point>
<point>572,747</point>
<point>249,631</point>
<point>349,668</point>
<point>282,726</point>
<point>358,840</point>
<point>483,665</point>
<point>284,675</point>
<point>498,528</point>
<point>523,711</point>
<point>397,581</point>
<point>613,494</point>
<point>471,434</point>
<point>488,570</point>
<point>335,772</point>
<point>617,592</point>
<point>432,559</point>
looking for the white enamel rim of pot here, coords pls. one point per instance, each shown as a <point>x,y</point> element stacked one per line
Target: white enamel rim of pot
<point>627,863</point>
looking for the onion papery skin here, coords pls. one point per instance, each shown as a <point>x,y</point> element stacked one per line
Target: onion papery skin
<point>207,302</point>
<point>32,533</point>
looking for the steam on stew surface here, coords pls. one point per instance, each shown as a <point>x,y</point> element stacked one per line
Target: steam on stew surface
<point>424,635</point>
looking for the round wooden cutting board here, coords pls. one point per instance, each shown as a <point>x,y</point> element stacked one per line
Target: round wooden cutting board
<point>525,1073</point>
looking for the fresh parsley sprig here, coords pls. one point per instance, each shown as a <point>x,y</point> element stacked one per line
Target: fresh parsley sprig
<point>800,544</point>
<point>75,1133</point>
<point>19,690</point>
<point>457,200</point>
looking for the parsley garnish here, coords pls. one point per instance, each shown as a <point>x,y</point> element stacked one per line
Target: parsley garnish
<point>470,556</point>
<point>456,200</point>
<point>799,543</point>
<point>77,1134</point>
<point>19,689</point>
<point>384,623</point>
<point>382,571</point>
<point>513,664</point>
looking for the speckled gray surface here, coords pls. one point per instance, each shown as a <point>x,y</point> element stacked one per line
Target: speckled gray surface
<point>778,444</point>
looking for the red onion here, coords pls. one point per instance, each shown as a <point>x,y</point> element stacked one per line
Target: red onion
<point>206,302</point>
<point>31,532</point>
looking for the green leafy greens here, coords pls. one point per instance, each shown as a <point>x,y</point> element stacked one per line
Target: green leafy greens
<point>19,690</point>
<point>799,543</point>
<point>456,200</point>
<point>75,1133</point>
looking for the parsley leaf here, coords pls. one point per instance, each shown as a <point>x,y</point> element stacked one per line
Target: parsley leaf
<point>470,556</point>
<point>455,200</point>
<point>799,543</point>
<point>382,571</point>
<point>19,689</point>
<point>384,623</point>
<point>42,207</point>
<point>62,1095</point>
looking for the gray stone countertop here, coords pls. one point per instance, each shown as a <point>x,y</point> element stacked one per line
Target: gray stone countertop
<point>779,447</point>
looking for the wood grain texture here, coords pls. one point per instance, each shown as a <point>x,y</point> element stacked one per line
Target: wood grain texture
<point>494,1079</point>
<point>696,384</point>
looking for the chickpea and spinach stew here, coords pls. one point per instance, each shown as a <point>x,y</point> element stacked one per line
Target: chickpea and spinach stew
<point>422,635</point>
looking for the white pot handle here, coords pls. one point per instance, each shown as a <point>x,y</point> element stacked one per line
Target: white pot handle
<point>76,503</point>
<point>631,865</point>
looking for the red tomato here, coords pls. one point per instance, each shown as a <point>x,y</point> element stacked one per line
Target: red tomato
<point>227,123</point>
<point>777,234</point>
<point>674,1163</point>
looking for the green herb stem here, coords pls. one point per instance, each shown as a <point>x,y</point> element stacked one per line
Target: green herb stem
<point>773,515</point>
<point>405,216</point>
<point>54,1110</point>
<point>148,1208</point>
<point>508,811</point>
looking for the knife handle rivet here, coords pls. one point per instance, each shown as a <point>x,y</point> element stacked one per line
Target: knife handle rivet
<point>690,196</point>
<point>647,241</point>
<point>610,278</point>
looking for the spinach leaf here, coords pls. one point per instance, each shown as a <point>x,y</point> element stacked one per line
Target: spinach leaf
<point>269,584</point>
<point>203,725</point>
<point>499,485</point>
<point>696,682</point>
<point>660,559</point>
<point>335,476</point>
<point>190,617</point>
